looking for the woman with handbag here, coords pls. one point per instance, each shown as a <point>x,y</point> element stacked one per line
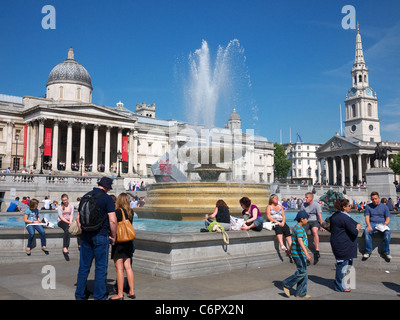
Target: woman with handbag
<point>122,252</point>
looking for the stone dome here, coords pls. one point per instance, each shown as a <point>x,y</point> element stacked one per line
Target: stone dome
<point>70,71</point>
<point>234,116</point>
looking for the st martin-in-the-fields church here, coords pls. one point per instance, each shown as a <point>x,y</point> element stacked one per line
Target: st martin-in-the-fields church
<point>348,157</point>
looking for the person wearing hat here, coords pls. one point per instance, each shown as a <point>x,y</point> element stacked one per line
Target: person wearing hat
<point>95,244</point>
<point>300,255</point>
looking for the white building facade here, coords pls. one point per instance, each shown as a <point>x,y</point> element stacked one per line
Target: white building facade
<point>66,132</point>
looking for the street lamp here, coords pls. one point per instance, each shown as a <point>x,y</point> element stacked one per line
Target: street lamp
<point>16,152</point>
<point>81,161</point>
<point>309,175</point>
<point>119,159</point>
<point>41,163</point>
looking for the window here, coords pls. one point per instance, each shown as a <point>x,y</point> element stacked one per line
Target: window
<point>299,172</point>
<point>353,111</point>
<point>61,93</point>
<point>369,110</point>
<point>299,161</point>
<point>78,94</point>
<point>360,78</point>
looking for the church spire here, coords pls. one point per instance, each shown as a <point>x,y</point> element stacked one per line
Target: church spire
<point>359,50</point>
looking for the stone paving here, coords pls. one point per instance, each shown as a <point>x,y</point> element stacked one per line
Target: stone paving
<point>23,279</point>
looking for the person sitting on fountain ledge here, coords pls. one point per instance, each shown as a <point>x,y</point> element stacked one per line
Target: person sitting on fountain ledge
<point>255,220</point>
<point>221,214</point>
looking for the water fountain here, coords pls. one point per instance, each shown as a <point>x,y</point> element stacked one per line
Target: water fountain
<point>192,200</point>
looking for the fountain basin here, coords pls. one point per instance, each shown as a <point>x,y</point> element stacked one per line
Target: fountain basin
<point>192,200</point>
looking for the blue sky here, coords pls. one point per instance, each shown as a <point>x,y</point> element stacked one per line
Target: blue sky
<point>298,56</point>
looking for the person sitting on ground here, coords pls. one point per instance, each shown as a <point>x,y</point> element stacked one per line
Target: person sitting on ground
<point>275,213</point>
<point>221,214</point>
<point>255,220</point>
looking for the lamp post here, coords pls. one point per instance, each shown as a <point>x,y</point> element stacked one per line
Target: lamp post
<point>16,153</point>
<point>309,175</point>
<point>119,159</point>
<point>81,161</point>
<point>41,162</point>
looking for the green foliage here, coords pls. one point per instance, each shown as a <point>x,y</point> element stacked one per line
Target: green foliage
<point>395,164</point>
<point>282,164</point>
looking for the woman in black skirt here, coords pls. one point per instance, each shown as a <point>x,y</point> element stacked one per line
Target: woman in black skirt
<point>122,252</point>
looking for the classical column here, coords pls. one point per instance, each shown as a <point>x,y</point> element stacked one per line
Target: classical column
<point>95,147</point>
<point>40,142</point>
<point>28,134</point>
<point>68,157</point>
<point>130,154</point>
<point>54,157</point>
<point>34,148</point>
<point>368,163</point>
<point>119,140</point>
<point>327,170</point>
<point>82,142</point>
<point>342,170</point>
<point>351,170</point>
<point>359,169</point>
<point>135,151</point>
<point>319,178</point>
<point>9,141</point>
<point>334,170</point>
<point>107,150</point>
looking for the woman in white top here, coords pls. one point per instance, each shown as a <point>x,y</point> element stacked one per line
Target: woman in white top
<point>65,218</point>
<point>276,214</point>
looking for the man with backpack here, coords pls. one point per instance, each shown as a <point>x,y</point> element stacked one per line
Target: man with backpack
<point>98,223</point>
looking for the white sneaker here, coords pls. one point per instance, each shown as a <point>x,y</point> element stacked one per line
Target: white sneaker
<point>387,257</point>
<point>366,255</point>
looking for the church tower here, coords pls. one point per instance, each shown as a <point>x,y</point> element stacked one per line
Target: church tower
<point>362,120</point>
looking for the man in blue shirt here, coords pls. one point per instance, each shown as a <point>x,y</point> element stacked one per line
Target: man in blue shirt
<point>95,244</point>
<point>376,215</point>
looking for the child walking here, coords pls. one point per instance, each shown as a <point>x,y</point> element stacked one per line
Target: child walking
<point>300,256</point>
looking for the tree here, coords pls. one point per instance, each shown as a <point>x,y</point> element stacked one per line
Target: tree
<point>282,164</point>
<point>395,164</point>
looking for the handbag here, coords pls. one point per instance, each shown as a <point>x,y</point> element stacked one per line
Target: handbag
<point>74,229</point>
<point>125,230</point>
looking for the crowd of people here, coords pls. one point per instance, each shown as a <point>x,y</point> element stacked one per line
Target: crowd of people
<point>94,245</point>
<point>343,229</point>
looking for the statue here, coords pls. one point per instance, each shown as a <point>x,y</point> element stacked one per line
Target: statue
<point>380,155</point>
<point>329,199</point>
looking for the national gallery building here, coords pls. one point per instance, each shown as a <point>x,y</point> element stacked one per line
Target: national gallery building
<point>66,133</point>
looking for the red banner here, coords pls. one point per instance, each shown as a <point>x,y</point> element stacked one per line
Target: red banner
<point>25,144</point>
<point>47,141</point>
<point>125,145</point>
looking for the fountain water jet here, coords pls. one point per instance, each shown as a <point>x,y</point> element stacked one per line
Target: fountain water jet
<point>192,200</point>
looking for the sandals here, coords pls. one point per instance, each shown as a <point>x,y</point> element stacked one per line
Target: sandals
<point>283,248</point>
<point>28,252</point>
<point>45,251</point>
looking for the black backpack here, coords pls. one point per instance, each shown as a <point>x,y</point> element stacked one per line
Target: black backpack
<point>89,212</point>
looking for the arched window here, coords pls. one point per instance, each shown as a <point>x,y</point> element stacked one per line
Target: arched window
<point>369,110</point>
<point>360,78</point>
<point>353,111</point>
<point>61,92</point>
<point>355,79</point>
<point>78,94</point>
<point>365,78</point>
